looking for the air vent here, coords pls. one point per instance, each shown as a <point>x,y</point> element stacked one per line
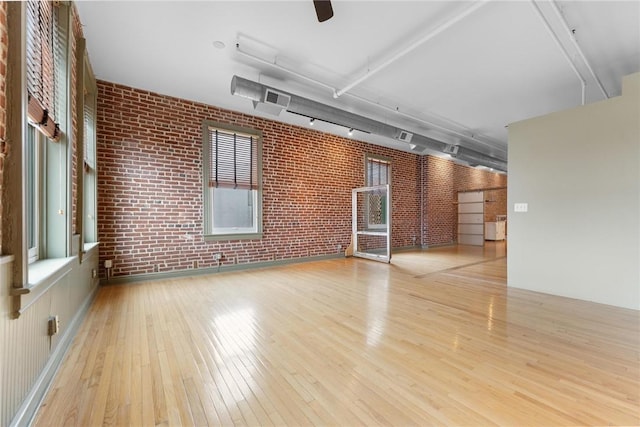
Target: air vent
<point>276,98</point>
<point>451,149</point>
<point>405,136</point>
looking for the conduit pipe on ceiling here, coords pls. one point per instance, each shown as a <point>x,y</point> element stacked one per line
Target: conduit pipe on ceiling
<point>430,124</point>
<point>281,68</point>
<point>439,29</point>
<point>306,107</point>
<point>368,101</point>
<point>555,38</point>
<point>572,37</point>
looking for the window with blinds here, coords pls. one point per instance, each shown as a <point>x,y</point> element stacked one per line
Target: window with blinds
<point>89,135</point>
<point>48,108</point>
<point>46,43</point>
<point>89,170</point>
<point>232,176</point>
<point>232,160</point>
<point>377,172</point>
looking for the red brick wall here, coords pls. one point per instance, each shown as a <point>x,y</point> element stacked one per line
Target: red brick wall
<point>4,43</point>
<point>496,203</point>
<point>150,186</point>
<point>442,180</point>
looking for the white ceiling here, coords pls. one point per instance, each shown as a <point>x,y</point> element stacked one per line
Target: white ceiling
<point>494,66</point>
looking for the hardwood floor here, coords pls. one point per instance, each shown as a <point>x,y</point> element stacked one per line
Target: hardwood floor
<point>435,338</point>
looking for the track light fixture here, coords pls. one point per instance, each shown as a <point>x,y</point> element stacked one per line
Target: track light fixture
<point>311,121</point>
<point>350,132</point>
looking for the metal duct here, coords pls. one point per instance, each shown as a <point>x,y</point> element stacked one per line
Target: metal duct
<point>475,158</point>
<point>306,107</point>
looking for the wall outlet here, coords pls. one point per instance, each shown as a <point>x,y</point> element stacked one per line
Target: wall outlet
<point>520,207</point>
<point>53,325</point>
<point>195,263</point>
<point>94,273</point>
<point>217,256</point>
<point>108,263</point>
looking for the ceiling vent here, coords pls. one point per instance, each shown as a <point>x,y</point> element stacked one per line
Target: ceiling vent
<point>404,136</point>
<point>451,149</point>
<point>273,103</point>
<point>276,98</point>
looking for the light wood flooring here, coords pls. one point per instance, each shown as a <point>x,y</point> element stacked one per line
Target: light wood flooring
<point>435,338</point>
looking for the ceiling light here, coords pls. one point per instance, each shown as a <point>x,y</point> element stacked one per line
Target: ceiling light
<point>311,121</point>
<point>350,132</point>
<point>218,44</point>
<point>413,146</point>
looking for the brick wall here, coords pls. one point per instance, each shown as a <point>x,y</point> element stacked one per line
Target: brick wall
<point>441,182</point>
<point>496,204</point>
<point>150,186</point>
<point>4,43</point>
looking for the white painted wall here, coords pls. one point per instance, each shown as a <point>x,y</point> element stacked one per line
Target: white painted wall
<point>579,172</point>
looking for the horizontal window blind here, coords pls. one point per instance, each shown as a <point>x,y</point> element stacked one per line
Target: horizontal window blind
<point>233,160</point>
<point>89,129</point>
<point>377,172</point>
<point>41,43</point>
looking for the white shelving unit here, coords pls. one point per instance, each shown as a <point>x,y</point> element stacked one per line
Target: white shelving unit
<point>471,218</point>
<point>495,230</point>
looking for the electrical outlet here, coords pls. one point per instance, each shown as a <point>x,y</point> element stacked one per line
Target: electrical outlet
<point>53,325</point>
<point>94,273</point>
<point>195,263</point>
<point>217,256</point>
<point>520,207</point>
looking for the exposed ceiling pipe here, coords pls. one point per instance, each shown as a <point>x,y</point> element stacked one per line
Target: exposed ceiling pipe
<point>432,125</point>
<point>428,123</point>
<point>475,158</point>
<point>287,70</point>
<point>439,29</point>
<point>306,107</point>
<point>562,49</point>
<point>572,37</point>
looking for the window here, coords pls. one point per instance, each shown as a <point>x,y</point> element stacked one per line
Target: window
<point>232,182</point>
<point>89,175</point>
<point>45,58</point>
<point>34,174</point>
<point>47,173</point>
<point>377,172</point>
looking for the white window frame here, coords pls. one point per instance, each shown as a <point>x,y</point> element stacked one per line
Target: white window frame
<point>230,233</point>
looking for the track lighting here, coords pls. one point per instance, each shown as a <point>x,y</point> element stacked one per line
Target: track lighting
<point>311,121</point>
<point>350,132</point>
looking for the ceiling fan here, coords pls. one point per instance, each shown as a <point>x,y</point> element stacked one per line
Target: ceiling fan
<point>324,10</point>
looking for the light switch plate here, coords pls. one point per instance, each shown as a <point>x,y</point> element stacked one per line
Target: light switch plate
<point>520,207</point>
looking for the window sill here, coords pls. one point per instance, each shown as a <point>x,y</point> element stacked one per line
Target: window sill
<point>241,236</point>
<point>6,259</point>
<point>43,274</point>
<point>45,271</point>
<point>88,248</point>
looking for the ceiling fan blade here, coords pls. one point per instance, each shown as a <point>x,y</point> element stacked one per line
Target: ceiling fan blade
<point>323,9</point>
